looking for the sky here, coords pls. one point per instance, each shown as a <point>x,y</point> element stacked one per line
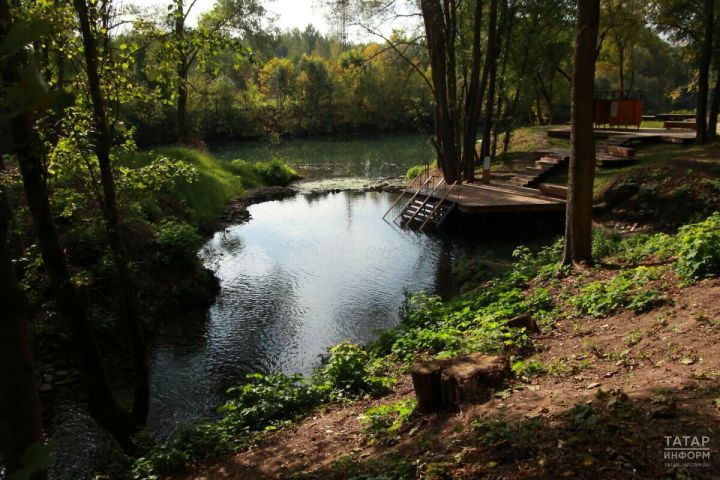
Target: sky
<point>288,13</point>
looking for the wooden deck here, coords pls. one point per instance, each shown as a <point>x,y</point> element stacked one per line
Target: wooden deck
<point>633,135</point>
<point>501,197</point>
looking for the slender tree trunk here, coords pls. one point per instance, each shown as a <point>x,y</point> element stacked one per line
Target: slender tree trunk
<point>704,73</point>
<point>473,101</point>
<point>492,57</point>
<point>182,73</point>
<point>578,227</point>
<point>714,104</point>
<point>20,415</point>
<point>621,66</point>
<point>103,145</point>
<point>503,101</point>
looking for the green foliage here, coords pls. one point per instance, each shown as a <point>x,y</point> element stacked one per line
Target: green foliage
<point>643,247</point>
<point>498,431</point>
<point>347,371</point>
<point>275,172</point>
<point>268,400</point>
<point>262,404</point>
<point>526,369</point>
<point>699,249</point>
<point>383,423</point>
<point>628,289</point>
<point>177,242</point>
<point>544,263</point>
<point>35,459</point>
<point>206,193</point>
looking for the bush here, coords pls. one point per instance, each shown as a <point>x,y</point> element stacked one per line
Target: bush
<point>384,422</point>
<point>248,175</point>
<point>347,371</point>
<point>177,242</point>
<point>275,173</point>
<point>628,289</point>
<point>267,400</point>
<point>699,249</point>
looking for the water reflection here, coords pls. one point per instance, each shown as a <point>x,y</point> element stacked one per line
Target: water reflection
<point>299,277</point>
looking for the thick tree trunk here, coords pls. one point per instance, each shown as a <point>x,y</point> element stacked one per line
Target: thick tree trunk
<point>103,145</point>
<point>578,227</point>
<point>445,140</point>
<point>20,415</point>
<point>492,56</point>
<point>704,74</point>
<point>473,101</point>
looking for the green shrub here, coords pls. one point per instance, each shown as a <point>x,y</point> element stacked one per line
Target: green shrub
<point>210,187</point>
<point>347,371</point>
<point>699,249</point>
<point>246,172</point>
<point>384,422</point>
<point>275,172</point>
<point>267,400</point>
<point>177,242</point>
<point>628,289</point>
<point>526,368</point>
<point>644,247</point>
<point>414,172</point>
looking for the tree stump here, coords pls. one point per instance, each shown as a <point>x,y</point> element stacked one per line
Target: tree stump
<point>443,385</point>
<point>524,321</point>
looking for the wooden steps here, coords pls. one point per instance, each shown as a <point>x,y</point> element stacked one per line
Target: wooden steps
<point>548,162</point>
<point>424,210</point>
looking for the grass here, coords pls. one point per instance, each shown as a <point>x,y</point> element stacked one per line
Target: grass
<point>216,183</point>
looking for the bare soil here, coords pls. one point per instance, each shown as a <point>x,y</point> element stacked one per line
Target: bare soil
<point>664,196</point>
<point>615,387</point>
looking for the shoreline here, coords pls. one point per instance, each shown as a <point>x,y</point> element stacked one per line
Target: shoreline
<point>236,211</point>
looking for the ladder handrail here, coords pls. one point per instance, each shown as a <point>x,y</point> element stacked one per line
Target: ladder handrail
<point>413,197</point>
<point>442,200</point>
<point>427,197</point>
<point>402,194</point>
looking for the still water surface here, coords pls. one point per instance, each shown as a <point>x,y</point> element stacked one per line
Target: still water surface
<point>303,274</point>
<point>365,156</point>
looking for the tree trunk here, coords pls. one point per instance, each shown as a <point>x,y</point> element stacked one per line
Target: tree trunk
<point>103,145</point>
<point>473,101</point>
<point>182,73</point>
<point>704,74</point>
<point>28,148</point>
<point>715,99</point>
<point>578,227</point>
<point>445,140</point>
<point>20,415</point>
<point>492,56</point>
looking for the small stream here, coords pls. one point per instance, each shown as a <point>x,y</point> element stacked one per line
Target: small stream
<point>301,275</point>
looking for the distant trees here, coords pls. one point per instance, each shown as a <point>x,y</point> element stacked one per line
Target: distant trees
<point>694,24</point>
<point>578,224</point>
<point>277,80</point>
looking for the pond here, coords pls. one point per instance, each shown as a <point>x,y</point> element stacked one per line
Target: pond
<point>301,275</point>
<point>366,156</point>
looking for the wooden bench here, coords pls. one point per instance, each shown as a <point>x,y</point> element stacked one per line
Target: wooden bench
<point>685,125</point>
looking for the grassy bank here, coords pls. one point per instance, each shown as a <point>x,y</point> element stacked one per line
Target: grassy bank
<point>214,182</point>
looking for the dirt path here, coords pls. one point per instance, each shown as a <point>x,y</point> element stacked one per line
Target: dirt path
<point>614,388</point>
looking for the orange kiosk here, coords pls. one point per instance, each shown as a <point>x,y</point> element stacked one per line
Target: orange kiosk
<point>617,110</point>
